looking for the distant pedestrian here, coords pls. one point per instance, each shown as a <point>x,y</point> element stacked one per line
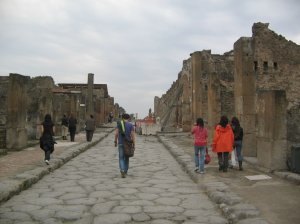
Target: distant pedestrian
<point>238,140</point>
<point>223,142</point>
<point>64,127</point>
<point>72,127</point>
<point>200,144</point>
<point>124,129</point>
<point>47,139</point>
<point>90,126</point>
<point>110,117</point>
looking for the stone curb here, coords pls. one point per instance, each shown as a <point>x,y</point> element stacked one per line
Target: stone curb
<point>14,185</point>
<point>231,204</point>
<point>287,175</point>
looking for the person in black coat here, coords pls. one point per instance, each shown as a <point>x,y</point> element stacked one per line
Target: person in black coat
<point>47,140</point>
<point>72,127</point>
<point>238,140</point>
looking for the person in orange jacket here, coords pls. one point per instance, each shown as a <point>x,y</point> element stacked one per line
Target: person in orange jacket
<point>223,142</point>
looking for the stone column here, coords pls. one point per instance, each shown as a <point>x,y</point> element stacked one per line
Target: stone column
<point>244,92</point>
<point>214,104</point>
<point>16,136</point>
<point>196,87</point>
<point>90,104</point>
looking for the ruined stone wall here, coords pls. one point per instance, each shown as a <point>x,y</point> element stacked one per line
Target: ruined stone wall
<point>219,92</point>
<point>169,118</point>
<point>16,133</point>
<point>4,83</point>
<point>40,102</point>
<point>204,84</point>
<point>173,109</point>
<point>259,82</point>
<point>186,98</point>
<point>277,67</point>
<point>245,93</point>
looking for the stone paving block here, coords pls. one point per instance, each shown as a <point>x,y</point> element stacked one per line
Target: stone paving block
<point>252,221</point>
<point>112,218</point>
<point>243,211</point>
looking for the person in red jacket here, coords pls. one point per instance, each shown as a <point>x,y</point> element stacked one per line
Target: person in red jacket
<point>223,142</point>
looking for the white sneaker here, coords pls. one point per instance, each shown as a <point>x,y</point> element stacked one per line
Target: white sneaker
<point>47,162</point>
<point>202,172</point>
<point>196,169</point>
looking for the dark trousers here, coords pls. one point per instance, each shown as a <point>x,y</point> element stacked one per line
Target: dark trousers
<point>89,135</point>
<point>223,160</point>
<point>47,151</point>
<point>72,133</point>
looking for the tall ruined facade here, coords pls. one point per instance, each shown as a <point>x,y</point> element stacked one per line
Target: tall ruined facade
<point>24,101</point>
<point>259,82</point>
<point>204,88</point>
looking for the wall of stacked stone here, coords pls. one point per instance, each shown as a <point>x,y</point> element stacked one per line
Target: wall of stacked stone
<point>259,82</point>
<point>278,68</point>
<point>4,81</point>
<point>177,107</point>
<point>24,102</point>
<point>39,103</point>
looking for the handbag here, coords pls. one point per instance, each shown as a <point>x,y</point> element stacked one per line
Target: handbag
<point>207,157</point>
<point>128,147</point>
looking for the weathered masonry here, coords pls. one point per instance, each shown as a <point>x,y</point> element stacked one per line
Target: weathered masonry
<point>24,101</point>
<point>258,81</point>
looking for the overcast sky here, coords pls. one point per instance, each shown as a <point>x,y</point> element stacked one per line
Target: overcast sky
<point>136,47</point>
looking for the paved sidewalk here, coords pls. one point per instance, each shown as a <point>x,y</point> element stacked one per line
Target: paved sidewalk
<point>21,169</point>
<point>90,190</point>
<point>243,201</point>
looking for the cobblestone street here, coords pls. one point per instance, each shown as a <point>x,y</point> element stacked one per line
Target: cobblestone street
<point>89,189</point>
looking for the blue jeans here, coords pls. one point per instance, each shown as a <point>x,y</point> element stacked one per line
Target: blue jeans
<point>238,150</point>
<point>123,160</point>
<point>199,160</point>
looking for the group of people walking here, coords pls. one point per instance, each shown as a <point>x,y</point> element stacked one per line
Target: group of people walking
<point>47,139</point>
<point>227,137</point>
<point>68,124</point>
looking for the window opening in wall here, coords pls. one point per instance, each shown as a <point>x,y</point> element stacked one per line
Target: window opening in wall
<point>275,66</point>
<point>205,87</point>
<point>265,66</point>
<point>255,66</point>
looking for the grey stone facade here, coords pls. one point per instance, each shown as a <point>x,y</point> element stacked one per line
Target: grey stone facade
<point>259,82</point>
<point>24,102</point>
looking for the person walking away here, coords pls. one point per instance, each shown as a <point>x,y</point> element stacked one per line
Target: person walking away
<point>200,144</point>
<point>90,126</point>
<point>72,127</point>
<point>238,140</point>
<point>223,141</point>
<point>124,129</point>
<point>64,127</point>
<point>46,141</point>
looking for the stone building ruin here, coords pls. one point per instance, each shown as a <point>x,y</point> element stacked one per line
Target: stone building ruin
<point>24,101</point>
<point>258,81</point>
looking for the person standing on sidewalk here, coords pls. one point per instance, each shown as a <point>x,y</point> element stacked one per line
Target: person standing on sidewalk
<point>200,144</point>
<point>90,126</point>
<point>46,141</point>
<point>72,127</point>
<point>64,127</point>
<point>238,140</point>
<point>223,142</point>
<point>124,129</point>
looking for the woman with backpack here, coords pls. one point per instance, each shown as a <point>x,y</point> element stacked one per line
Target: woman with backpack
<point>238,140</point>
